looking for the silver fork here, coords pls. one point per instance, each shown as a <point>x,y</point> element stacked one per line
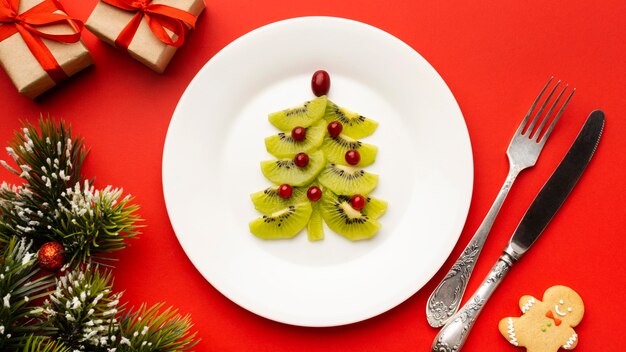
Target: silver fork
<point>523,152</point>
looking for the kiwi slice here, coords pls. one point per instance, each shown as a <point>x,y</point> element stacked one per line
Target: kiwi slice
<point>354,125</point>
<point>303,115</point>
<point>335,149</point>
<point>268,201</point>
<point>285,170</point>
<point>282,145</point>
<point>285,223</point>
<point>315,228</point>
<point>345,220</point>
<point>343,179</point>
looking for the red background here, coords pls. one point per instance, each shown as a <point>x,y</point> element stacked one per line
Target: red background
<point>494,59</point>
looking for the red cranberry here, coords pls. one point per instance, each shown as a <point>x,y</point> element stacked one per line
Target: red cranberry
<point>298,133</point>
<point>335,128</point>
<point>357,202</point>
<point>301,160</point>
<point>314,193</point>
<point>320,83</point>
<point>284,191</point>
<point>353,157</point>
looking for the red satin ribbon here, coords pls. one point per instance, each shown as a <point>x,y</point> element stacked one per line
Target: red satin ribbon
<point>557,321</point>
<point>159,17</point>
<point>26,24</point>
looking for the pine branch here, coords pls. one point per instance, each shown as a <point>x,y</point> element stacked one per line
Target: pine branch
<point>147,329</point>
<point>44,344</point>
<point>82,310</point>
<point>8,215</point>
<point>55,204</point>
<point>49,162</point>
<point>82,313</point>
<point>20,285</point>
<point>95,222</point>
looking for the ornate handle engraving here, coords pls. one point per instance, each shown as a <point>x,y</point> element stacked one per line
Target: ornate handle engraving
<point>446,298</point>
<point>453,335</point>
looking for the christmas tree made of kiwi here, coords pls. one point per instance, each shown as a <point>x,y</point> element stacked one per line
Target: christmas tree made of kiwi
<point>318,173</point>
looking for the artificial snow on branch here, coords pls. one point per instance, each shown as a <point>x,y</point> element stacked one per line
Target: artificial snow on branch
<point>58,221</point>
<point>55,203</point>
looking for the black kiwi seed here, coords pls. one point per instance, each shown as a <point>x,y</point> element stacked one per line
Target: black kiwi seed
<point>269,219</point>
<point>344,120</point>
<point>285,163</point>
<point>342,199</point>
<point>271,192</point>
<point>346,175</point>
<point>344,143</point>
<point>346,199</point>
<point>288,138</point>
<point>284,137</point>
<point>342,214</point>
<point>300,110</point>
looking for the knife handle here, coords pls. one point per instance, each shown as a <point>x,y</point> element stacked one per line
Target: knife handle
<point>453,335</point>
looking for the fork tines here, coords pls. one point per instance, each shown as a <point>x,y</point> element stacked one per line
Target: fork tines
<point>529,129</point>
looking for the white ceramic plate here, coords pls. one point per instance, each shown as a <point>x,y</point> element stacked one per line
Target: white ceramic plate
<point>215,143</point>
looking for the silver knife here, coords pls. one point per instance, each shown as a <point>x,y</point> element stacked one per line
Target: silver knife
<point>550,198</point>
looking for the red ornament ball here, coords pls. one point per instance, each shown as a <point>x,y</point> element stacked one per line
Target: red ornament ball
<point>298,133</point>
<point>357,202</point>
<point>320,83</point>
<point>353,157</point>
<point>284,191</point>
<point>51,256</point>
<point>314,193</point>
<point>335,128</point>
<point>301,160</point>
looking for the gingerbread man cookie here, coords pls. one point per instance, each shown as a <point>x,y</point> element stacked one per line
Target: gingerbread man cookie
<point>546,326</point>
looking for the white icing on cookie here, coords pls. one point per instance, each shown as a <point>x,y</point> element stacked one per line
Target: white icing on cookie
<point>570,342</point>
<point>528,304</point>
<point>511,331</point>
<point>557,311</point>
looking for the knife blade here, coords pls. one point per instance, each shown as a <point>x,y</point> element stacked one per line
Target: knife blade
<point>547,202</point>
<point>558,187</point>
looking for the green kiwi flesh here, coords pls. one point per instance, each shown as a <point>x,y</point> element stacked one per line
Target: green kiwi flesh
<point>268,201</point>
<point>347,180</point>
<point>304,115</point>
<point>345,220</point>
<point>354,125</point>
<point>335,149</point>
<point>315,228</point>
<point>374,207</point>
<point>282,145</point>
<point>284,223</point>
<point>285,170</point>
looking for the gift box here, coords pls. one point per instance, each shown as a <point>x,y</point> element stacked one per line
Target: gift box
<point>150,31</point>
<point>40,44</point>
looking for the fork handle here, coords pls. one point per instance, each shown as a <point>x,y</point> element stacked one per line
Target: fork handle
<point>453,335</point>
<point>446,298</point>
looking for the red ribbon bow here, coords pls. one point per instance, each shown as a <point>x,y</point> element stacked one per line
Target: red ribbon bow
<point>159,17</point>
<point>557,321</point>
<point>26,24</point>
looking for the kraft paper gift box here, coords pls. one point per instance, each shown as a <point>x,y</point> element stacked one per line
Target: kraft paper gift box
<point>110,18</point>
<point>26,48</point>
